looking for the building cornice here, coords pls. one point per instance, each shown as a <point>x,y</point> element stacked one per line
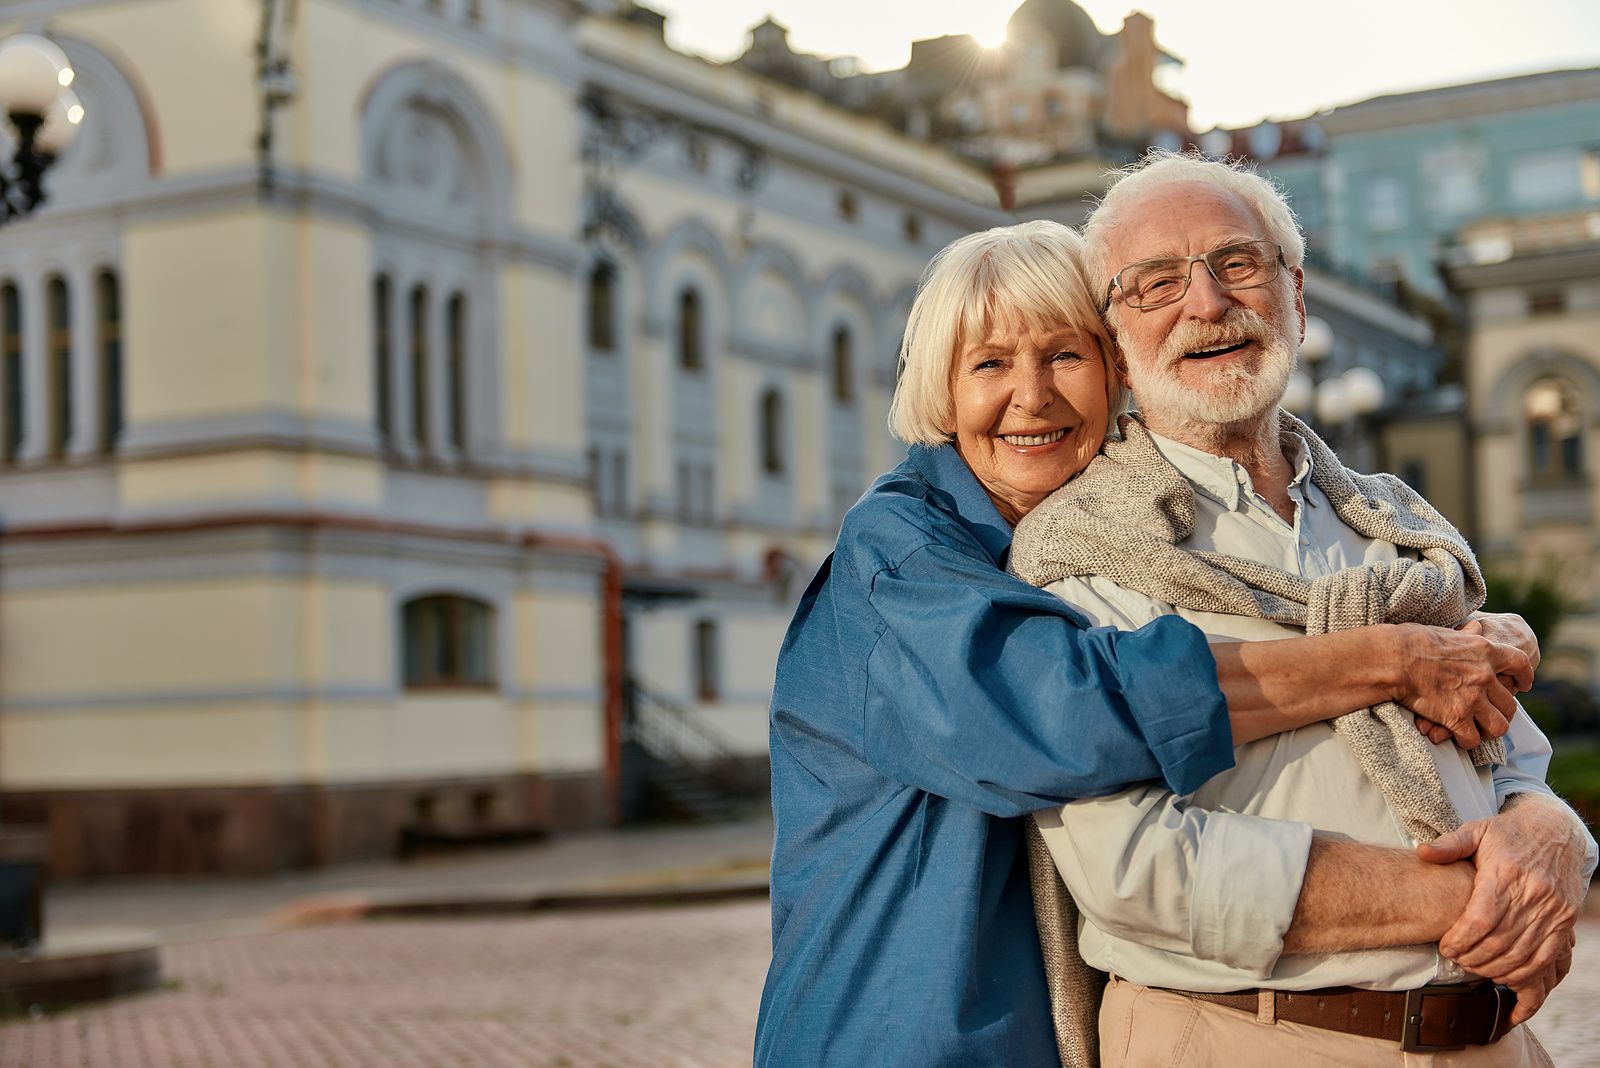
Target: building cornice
<point>1560,265</point>
<point>1476,99</point>
<point>787,123</point>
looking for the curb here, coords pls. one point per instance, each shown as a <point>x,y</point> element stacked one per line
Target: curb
<point>351,908</point>
<point>59,978</point>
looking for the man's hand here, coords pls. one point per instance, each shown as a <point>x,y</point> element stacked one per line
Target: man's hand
<point>1461,683</point>
<point>1518,925</point>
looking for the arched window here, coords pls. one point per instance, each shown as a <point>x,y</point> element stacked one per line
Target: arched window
<point>1555,433</point>
<point>58,351</point>
<point>419,364</point>
<point>108,344</point>
<point>602,307</point>
<point>11,372</point>
<point>772,432</point>
<point>706,661</point>
<point>844,389</point>
<point>382,354</point>
<point>456,335</point>
<point>448,642</point>
<point>691,354</point>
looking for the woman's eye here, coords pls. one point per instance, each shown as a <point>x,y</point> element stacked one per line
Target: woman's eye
<point>1063,356</point>
<point>987,365</point>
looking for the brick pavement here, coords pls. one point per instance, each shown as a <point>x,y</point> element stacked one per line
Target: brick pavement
<point>647,988</point>
<point>651,988</point>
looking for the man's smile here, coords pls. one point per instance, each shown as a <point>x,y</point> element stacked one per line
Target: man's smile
<point>1225,350</point>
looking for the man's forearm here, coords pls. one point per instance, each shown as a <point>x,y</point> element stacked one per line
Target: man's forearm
<point>1358,896</point>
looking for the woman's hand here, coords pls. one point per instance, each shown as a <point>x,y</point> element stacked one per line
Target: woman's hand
<point>1506,628</point>
<point>1461,683</point>
<point>1502,628</point>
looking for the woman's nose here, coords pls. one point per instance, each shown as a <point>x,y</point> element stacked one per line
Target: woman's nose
<point>1035,389</point>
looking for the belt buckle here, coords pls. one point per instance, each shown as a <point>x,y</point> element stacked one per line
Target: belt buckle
<point>1411,1029</point>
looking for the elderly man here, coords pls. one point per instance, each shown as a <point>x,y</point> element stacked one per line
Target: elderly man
<point>1285,908</point>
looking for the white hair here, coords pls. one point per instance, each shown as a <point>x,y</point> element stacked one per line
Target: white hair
<point>1160,167</point>
<point>1029,275</point>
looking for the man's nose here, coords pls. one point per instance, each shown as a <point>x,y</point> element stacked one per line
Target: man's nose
<point>1206,299</point>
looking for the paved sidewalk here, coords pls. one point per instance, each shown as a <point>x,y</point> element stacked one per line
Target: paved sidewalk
<point>576,864</point>
<point>626,988</point>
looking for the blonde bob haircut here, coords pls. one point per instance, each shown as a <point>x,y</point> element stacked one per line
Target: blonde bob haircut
<point>1027,276</point>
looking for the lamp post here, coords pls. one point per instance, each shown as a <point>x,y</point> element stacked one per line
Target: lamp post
<point>39,116</point>
<point>1337,402</point>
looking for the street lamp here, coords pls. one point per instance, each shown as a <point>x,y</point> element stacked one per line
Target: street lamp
<point>1337,401</point>
<point>41,115</point>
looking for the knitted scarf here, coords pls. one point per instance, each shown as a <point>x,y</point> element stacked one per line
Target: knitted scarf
<point>1126,516</point>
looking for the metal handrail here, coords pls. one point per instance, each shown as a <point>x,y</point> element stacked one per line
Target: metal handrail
<point>668,730</point>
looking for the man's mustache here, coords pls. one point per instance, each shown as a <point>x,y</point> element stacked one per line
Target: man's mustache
<point>1236,325</point>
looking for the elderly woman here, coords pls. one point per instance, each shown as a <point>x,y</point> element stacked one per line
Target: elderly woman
<point>924,698</point>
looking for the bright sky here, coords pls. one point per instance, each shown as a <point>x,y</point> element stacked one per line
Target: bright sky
<point>1245,59</point>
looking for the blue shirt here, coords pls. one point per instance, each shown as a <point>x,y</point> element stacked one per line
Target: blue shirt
<point>924,700</point>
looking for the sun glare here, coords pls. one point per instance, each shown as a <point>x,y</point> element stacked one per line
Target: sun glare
<point>990,36</point>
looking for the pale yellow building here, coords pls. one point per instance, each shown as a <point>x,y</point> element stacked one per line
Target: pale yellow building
<point>1532,293</point>
<point>388,379</point>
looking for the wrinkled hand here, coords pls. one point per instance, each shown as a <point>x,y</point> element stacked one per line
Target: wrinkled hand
<point>1502,628</point>
<point>1518,926</point>
<point>1452,680</point>
<point>1505,628</point>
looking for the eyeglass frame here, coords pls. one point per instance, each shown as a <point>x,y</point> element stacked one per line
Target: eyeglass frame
<point>1188,273</point>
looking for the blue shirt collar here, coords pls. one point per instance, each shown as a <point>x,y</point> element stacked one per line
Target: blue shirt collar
<point>944,469</point>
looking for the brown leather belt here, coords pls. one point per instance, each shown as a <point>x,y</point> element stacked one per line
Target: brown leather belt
<point>1433,1018</point>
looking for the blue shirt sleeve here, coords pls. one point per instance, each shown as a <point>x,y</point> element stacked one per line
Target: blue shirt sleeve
<point>985,690</point>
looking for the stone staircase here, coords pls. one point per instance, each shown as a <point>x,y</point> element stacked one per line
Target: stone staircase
<point>678,767</point>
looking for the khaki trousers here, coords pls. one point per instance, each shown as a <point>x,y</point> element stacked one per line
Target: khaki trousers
<point>1144,1027</point>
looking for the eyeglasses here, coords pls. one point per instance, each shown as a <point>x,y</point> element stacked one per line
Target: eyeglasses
<point>1157,283</point>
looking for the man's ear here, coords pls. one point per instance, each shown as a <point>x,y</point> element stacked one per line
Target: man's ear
<point>1300,298</point>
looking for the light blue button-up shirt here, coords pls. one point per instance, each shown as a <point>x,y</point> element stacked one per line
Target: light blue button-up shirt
<point>1196,891</point>
<point>924,700</point>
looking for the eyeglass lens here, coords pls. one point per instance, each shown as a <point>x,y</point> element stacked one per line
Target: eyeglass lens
<point>1153,283</point>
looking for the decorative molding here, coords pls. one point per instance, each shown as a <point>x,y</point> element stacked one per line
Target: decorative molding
<point>825,159</point>
<point>1498,409</point>
<point>297,695</point>
<point>771,354</point>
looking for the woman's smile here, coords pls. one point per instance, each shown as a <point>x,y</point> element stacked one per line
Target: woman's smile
<point>1031,409</point>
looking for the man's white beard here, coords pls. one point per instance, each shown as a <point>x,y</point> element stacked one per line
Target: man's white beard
<point>1233,394</point>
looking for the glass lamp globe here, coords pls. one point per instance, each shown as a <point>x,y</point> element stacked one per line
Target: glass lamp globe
<point>1363,390</point>
<point>32,71</point>
<point>1333,403</point>
<point>61,124</point>
<point>1318,341</point>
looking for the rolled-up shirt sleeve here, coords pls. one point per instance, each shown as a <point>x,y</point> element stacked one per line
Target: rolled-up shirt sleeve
<point>1528,754</point>
<point>974,679</point>
<point>1146,866</point>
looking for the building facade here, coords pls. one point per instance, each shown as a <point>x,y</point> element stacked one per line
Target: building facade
<point>1383,186</point>
<point>1531,288</point>
<point>375,409</point>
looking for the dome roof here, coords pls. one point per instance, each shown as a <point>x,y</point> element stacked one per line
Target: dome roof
<point>1078,41</point>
